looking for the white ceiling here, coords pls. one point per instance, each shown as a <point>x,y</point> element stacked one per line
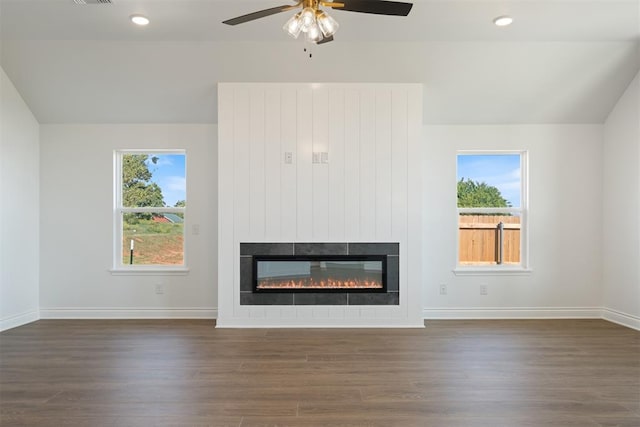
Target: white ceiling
<point>560,62</point>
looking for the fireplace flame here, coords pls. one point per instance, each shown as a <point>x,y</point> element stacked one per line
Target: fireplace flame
<point>320,284</point>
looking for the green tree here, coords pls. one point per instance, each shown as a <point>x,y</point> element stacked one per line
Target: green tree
<point>474,194</point>
<point>137,188</point>
<point>180,204</point>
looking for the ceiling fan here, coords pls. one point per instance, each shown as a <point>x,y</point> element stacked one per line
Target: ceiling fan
<point>315,23</point>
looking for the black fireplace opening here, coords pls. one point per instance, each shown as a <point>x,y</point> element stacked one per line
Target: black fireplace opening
<point>319,273</point>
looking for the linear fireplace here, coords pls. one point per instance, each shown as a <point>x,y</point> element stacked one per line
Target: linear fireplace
<point>319,273</point>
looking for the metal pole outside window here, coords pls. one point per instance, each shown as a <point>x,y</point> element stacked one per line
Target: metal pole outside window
<point>500,242</point>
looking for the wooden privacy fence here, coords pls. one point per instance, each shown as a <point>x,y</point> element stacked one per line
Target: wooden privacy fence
<point>480,237</point>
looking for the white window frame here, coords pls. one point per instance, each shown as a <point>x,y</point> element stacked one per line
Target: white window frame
<point>119,268</point>
<point>522,211</point>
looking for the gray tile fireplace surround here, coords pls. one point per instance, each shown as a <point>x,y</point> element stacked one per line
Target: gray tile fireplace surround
<point>391,297</point>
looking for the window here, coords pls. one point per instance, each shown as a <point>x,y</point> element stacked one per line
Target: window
<point>150,210</point>
<point>492,210</point>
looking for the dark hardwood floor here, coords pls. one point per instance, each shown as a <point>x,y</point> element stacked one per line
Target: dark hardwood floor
<point>452,373</point>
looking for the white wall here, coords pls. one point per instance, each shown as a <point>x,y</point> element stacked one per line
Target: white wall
<point>621,209</point>
<point>368,192</point>
<point>77,232</point>
<point>19,209</point>
<point>565,175</point>
<point>572,176</point>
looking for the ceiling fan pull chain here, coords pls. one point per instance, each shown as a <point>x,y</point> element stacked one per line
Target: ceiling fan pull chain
<point>309,51</point>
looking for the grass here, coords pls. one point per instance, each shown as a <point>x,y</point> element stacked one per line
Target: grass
<point>154,243</point>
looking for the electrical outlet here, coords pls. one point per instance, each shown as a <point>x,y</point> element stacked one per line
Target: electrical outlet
<point>195,229</point>
<point>159,289</point>
<point>484,289</point>
<point>443,289</point>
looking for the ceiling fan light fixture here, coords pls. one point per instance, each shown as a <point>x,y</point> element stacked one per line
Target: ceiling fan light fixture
<point>327,24</point>
<point>293,26</point>
<point>314,22</point>
<point>314,34</point>
<point>308,18</point>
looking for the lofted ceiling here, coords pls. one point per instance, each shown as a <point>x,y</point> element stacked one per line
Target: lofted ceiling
<point>562,61</point>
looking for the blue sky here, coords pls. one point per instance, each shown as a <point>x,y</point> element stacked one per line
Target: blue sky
<point>169,173</point>
<point>499,170</point>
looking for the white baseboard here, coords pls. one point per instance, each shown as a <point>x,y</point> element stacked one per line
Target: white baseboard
<point>19,320</point>
<point>320,323</point>
<point>611,315</point>
<point>128,313</point>
<point>621,318</point>
<point>513,313</point>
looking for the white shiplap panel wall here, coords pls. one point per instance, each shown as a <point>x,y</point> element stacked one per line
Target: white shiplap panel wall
<point>273,162</point>
<point>399,159</point>
<point>383,163</point>
<point>288,172</point>
<point>257,211</point>
<point>368,191</point>
<point>352,164</point>
<point>241,164</point>
<point>368,163</point>
<point>320,171</point>
<point>304,144</point>
<point>337,166</point>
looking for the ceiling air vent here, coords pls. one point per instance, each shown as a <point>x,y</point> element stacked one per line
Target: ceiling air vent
<point>92,1</point>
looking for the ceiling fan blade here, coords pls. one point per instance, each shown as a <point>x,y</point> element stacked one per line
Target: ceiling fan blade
<point>379,7</point>
<point>259,14</point>
<point>325,40</point>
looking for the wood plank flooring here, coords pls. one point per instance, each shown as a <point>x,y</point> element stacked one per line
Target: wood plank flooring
<point>452,373</point>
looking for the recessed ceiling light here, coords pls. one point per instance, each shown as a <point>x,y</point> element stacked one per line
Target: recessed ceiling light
<point>503,21</point>
<point>140,20</point>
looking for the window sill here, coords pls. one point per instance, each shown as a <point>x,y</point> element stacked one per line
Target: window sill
<point>149,272</point>
<point>492,271</point>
